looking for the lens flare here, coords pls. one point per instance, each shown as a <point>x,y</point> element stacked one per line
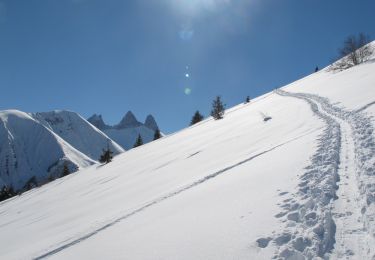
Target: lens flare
<point>186,34</point>
<point>187,91</point>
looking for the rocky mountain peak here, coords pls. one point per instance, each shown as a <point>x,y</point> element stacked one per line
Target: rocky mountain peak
<point>98,122</point>
<point>151,123</point>
<point>128,121</point>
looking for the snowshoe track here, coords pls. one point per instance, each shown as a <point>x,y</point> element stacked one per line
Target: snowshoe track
<point>310,214</point>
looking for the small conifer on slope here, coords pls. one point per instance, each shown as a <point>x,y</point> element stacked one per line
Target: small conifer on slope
<point>106,157</point>
<point>196,118</point>
<point>157,134</point>
<point>138,142</point>
<point>218,108</point>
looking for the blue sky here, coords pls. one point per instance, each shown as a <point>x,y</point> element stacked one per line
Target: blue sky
<point>111,56</point>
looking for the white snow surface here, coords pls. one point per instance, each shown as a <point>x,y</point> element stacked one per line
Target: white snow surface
<point>299,186</point>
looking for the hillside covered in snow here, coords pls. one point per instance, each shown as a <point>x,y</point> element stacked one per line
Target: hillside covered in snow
<point>127,130</point>
<point>298,186</point>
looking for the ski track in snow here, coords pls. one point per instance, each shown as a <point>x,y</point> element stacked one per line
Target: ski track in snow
<point>365,107</point>
<point>346,150</point>
<point>74,241</point>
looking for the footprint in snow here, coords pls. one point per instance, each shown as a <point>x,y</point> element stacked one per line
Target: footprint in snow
<point>263,242</point>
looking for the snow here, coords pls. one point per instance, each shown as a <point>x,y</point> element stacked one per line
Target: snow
<point>348,100</point>
<point>341,88</point>
<point>147,183</point>
<point>31,150</point>
<point>78,132</point>
<point>298,186</point>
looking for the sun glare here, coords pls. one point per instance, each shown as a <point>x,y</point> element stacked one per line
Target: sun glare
<point>194,7</point>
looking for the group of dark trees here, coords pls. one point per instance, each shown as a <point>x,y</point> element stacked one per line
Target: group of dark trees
<point>6,193</point>
<point>139,140</point>
<point>217,111</point>
<point>66,170</point>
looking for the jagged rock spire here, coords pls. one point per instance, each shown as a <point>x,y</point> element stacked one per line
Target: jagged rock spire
<point>151,123</point>
<point>97,121</point>
<point>129,120</point>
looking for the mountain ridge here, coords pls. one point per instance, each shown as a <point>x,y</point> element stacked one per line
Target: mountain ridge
<point>129,120</point>
<point>36,146</point>
<point>128,129</point>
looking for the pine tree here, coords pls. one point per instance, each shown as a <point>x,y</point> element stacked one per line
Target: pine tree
<point>247,100</point>
<point>196,118</point>
<point>157,134</point>
<point>138,142</point>
<point>66,170</point>
<point>6,193</point>
<point>316,69</point>
<point>11,192</point>
<point>218,107</point>
<point>106,157</point>
<point>3,193</point>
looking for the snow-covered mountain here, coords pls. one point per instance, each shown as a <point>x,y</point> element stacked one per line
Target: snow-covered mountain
<point>298,186</point>
<point>34,147</point>
<point>126,132</point>
<point>78,133</point>
<point>30,153</point>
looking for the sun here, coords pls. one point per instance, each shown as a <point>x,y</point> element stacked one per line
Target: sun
<point>195,7</point>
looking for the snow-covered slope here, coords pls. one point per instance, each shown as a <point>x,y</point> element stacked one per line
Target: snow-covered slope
<point>126,132</point>
<point>78,132</point>
<point>299,186</point>
<point>30,152</point>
